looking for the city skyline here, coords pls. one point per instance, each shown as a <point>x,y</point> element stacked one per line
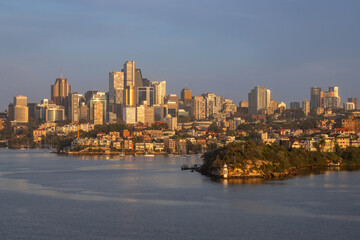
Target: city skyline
<point>288,46</point>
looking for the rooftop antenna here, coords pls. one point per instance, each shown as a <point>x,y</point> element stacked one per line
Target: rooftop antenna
<point>61,72</point>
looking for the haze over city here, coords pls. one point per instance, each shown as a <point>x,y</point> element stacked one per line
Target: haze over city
<point>212,46</point>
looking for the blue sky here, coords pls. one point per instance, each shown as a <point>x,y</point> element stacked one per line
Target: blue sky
<point>221,46</point>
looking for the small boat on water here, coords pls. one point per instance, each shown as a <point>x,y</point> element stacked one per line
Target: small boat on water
<point>149,155</point>
<point>190,167</point>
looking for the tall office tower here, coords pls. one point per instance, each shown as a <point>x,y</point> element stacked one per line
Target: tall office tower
<point>116,92</point>
<point>138,78</point>
<point>60,90</point>
<point>32,110</point>
<point>315,100</point>
<point>259,100</point>
<point>209,104</point>
<point>98,113</point>
<point>19,111</point>
<point>129,73</point>
<point>145,94</point>
<point>116,85</point>
<point>198,107</point>
<point>94,114</point>
<point>219,104</point>
<point>306,107</point>
<point>160,91</point>
<point>331,99</point>
<point>84,112</point>
<point>130,96</point>
<point>294,105</point>
<point>186,95</point>
<point>355,101</point>
<point>73,101</point>
<point>89,95</point>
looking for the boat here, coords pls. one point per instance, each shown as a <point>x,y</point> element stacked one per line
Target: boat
<point>149,155</point>
<point>190,167</point>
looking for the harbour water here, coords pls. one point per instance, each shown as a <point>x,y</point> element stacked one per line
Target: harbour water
<point>48,196</point>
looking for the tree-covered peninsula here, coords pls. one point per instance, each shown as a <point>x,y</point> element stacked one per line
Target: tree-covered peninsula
<point>252,159</point>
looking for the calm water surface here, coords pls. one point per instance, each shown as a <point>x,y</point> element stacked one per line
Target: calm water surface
<point>47,196</point>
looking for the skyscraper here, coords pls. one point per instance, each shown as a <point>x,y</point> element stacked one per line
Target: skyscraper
<point>331,99</point>
<point>259,100</point>
<point>129,73</point>
<point>198,107</point>
<point>159,91</point>
<point>60,90</point>
<point>116,92</point>
<point>306,107</point>
<point>145,94</point>
<point>73,107</point>
<point>209,104</point>
<point>130,96</point>
<point>116,85</point>
<point>315,100</point>
<point>94,109</point>
<point>20,101</point>
<point>18,111</point>
<point>138,79</point>
<point>186,95</point>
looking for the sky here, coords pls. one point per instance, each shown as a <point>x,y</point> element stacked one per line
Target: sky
<point>221,46</point>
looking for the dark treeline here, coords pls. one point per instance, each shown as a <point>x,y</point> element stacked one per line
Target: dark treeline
<point>276,158</point>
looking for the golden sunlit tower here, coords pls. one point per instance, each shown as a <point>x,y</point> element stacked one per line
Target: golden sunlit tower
<point>60,90</point>
<point>130,96</point>
<point>129,73</point>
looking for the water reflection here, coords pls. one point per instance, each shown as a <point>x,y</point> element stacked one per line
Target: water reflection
<point>226,182</point>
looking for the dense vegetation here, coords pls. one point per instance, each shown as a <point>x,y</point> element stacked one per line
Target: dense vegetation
<point>274,158</point>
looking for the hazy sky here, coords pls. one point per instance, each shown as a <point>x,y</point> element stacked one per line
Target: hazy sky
<point>220,46</point>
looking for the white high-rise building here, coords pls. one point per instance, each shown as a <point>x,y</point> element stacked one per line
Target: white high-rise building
<point>160,91</point>
<point>129,114</point>
<point>210,108</point>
